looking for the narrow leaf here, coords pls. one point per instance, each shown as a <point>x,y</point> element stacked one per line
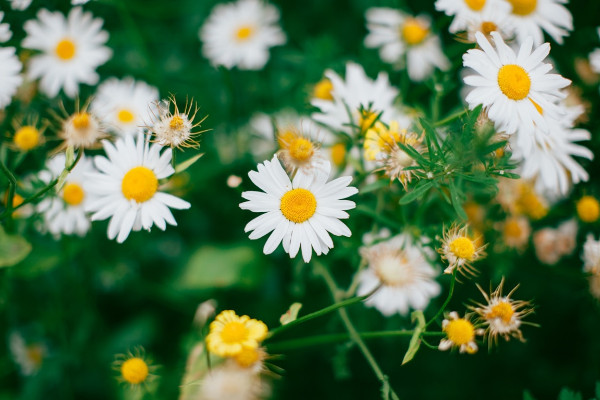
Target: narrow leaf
<point>418,191</point>
<point>415,340</point>
<point>187,163</point>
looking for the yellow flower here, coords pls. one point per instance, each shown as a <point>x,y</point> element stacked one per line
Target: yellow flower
<point>460,332</point>
<point>588,209</point>
<point>230,334</point>
<point>460,250</point>
<point>134,368</point>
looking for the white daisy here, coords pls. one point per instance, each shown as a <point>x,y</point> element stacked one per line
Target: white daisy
<point>10,78</point>
<point>490,20</point>
<point>124,105</point>
<point>407,280</point>
<point>591,255</point>
<point>241,33</point>
<point>530,17</point>
<point>355,92</point>
<point>300,213</point>
<point>65,213</point>
<point>513,87</point>
<point>72,48</point>
<point>467,11</point>
<point>126,189</point>
<point>5,32</point>
<point>403,39</point>
<point>19,5</point>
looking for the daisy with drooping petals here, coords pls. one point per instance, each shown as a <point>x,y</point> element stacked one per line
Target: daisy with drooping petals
<point>466,11</point>
<point>240,34</point>
<point>72,47</point>
<point>460,250</point>
<point>399,266</point>
<point>124,105</point>
<point>175,129</point>
<point>65,213</point>
<point>460,332</point>
<point>82,129</point>
<point>230,334</point>
<point>513,88</point>
<point>405,40</point>
<point>300,213</point>
<point>126,189</point>
<point>10,78</point>
<point>530,17</point>
<point>502,315</point>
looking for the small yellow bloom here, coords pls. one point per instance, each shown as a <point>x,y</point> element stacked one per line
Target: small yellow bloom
<point>134,368</point>
<point>461,333</point>
<point>460,250</point>
<point>588,209</point>
<point>230,334</point>
<point>323,90</point>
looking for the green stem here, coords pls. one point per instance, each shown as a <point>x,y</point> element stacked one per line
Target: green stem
<point>450,118</point>
<point>450,292</point>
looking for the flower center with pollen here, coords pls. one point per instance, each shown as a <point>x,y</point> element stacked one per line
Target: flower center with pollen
<point>134,370</point>
<point>502,310</point>
<point>523,7</point>
<point>323,89</point>
<point>394,270</point>
<point>234,332</point>
<point>460,331</point>
<point>413,32</point>
<point>475,5</point>
<point>65,49</point>
<point>512,229</point>
<point>176,123</point>
<point>244,33</point>
<point>73,194</point>
<point>488,27</point>
<point>81,120</point>
<point>125,116</point>
<point>298,205</point>
<point>514,81</point>
<point>139,184</point>
<point>301,149</point>
<point>462,247</point>
<point>26,138</point>
<point>588,209</point>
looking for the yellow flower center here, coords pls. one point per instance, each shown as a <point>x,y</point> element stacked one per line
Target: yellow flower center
<point>244,33</point>
<point>298,205</point>
<point>125,116</point>
<point>139,184</point>
<point>65,49</point>
<point>81,120</point>
<point>73,194</point>
<point>338,154</point>
<point>17,200</point>
<point>26,138</point>
<point>286,138</point>
<point>475,5</point>
<point>248,357</point>
<point>35,354</point>
<point>234,332</point>
<point>462,247</point>
<point>530,204</point>
<point>394,270</point>
<point>588,209</point>
<point>512,229</point>
<point>366,120</point>
<point>514,81</point>
<point>488,27</point>
<point>323,89</point>
<point>460,331</point>
<point>301,149</point>
<point>523,7</point>
<point>414,32</point>
<point>176,122</point>
<point>502,310</point>
<point>134,370</point>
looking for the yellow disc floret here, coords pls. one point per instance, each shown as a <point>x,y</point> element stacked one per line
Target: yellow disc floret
<point>301,149</point>
<point>65,49</point>
<point>134,370</point>
<point>488,27</point>
<point>139,184</point>
<point>503,310</point>
<point>73,194</point>
<point>244,33</point>
<point>323,89</point>
<point>298,205</point>
<point>512,229</point>
<point>460,331</point>
<point>523,7</point>
<point>588,209</point>
<point>475,5</point>
<point>176,122</point>
<point>26,138</point>
<point>414,32</point>
<point>248,357</point>
<point>81,120</point>
<point>126,116</point>
<point>514,81</point>
<point>462,247</point>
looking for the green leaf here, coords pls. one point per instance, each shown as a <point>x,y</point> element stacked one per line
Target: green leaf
<point>13,249</point>
<point>373,186</point>
<point>187,163</point>
<point>456,201</point>
<point>568,394</point>
<point>291,314</point>
<point>433,137</point>
<point>417,192</point>
<point>415,340</point>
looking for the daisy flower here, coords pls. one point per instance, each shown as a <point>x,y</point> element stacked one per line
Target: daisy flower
<point>516,231</point>
<point>591,255</point>
<point>29,357</point>
<point>501,314</point>
<point>175,129</point>
<point>460,250</point>
<point>10,78</point>
<point>530,17</point>
<point>27,137</point>
<point>134,368</point>
<point>588,209</point>
<point>355,93</point>
<point>513,88</point>
<point>298,152</point>
<point>403,39</point>
<point>5,33</point>
<point>65,213</point>
<point>490,20</point>
<point>72,48</point>
<point>460,332</point>
<point>240,34</point>
<point>467,11</point>
<point>300,213</point>
<point>230,334</point>
<point>124,105</point>
<point>82,129</point>
<point>126,188</point>
<point>399,266</point>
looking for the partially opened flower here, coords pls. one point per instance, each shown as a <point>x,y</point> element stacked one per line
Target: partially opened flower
<point>72,48</point>
<point>530,17</point>
<point>299,213</point>
<point>230,334</point>
<point>10,75</point>
<point>126,188</point>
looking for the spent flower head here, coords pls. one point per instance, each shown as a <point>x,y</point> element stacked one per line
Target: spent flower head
<point>176,128</point>
<point>460,332</point>
<point>460,250</point>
